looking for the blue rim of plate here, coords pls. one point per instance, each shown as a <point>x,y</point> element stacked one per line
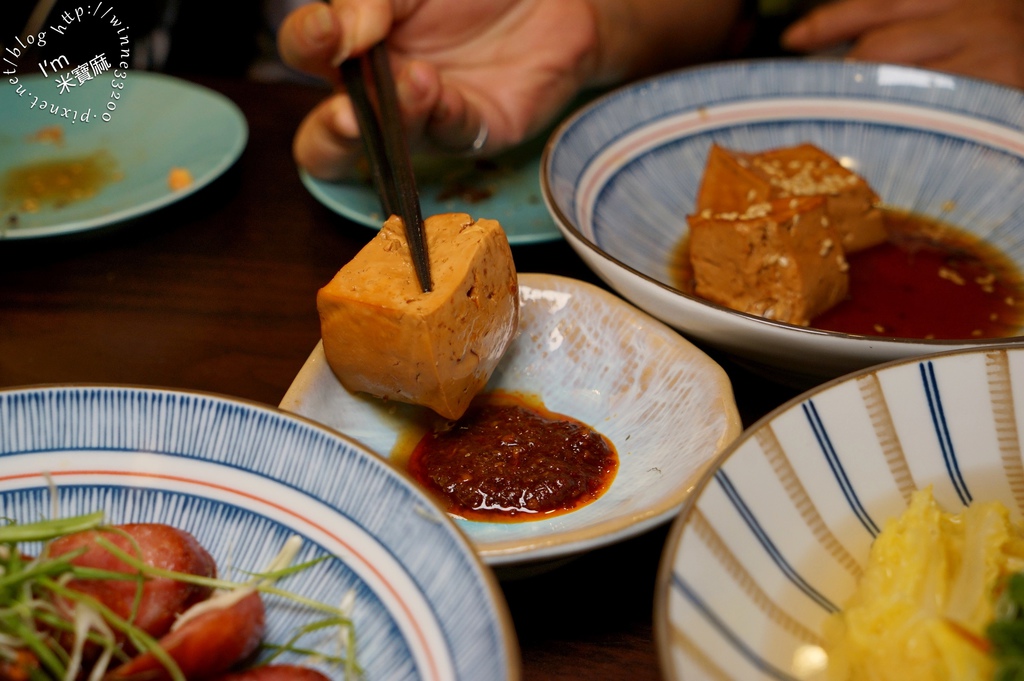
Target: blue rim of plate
<point>507,189</point>
<point>674,106</point>
<point>218,443</point>
<point>221,125</point>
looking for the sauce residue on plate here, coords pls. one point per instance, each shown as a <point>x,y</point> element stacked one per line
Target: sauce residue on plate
<point>471,184</point>
<point>509,459</point>
<point>929,280</point>
<point>50,134</point>
<point>57,182</point>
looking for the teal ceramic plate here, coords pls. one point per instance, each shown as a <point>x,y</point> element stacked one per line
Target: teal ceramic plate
<point>158,123</point>
<point>505,188</point>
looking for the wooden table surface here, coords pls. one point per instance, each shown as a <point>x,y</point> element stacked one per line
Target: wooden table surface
<point>217,293</point>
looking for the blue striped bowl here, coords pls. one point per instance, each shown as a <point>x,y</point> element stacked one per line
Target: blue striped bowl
<point>775,537</point>
<point>243,478</point>
<point>620,176</point>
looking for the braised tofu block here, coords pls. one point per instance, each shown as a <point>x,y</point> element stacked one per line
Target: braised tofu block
<point>384,336</point>
<point>734,180</point>
<point>729,184</point>
<point>780,259</point>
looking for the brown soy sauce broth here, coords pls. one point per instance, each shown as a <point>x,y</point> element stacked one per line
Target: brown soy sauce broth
<point>929,280</point>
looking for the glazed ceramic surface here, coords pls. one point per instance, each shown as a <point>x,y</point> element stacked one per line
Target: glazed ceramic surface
<point>621,175</point>
<point>776,536</point>
<point>505,188</point>
<point>664,404</point>
<point>160,123</point>
<point>244,478</point>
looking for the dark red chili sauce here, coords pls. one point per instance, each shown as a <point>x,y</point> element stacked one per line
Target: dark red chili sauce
<point>509,459</point>
<point>929,280</point>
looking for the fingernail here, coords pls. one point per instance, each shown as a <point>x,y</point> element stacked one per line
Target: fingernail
<point>319,24</point>
<point>343,119</point>
<point>338,112</point>
<point>415,82</point>
<point>796,34</point>
<point>347,20</point>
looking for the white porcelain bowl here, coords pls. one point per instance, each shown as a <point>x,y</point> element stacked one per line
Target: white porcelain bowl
<point>776,535</point>
<point>620,176</point>
<point>666,406</point>
<point>243,478</point>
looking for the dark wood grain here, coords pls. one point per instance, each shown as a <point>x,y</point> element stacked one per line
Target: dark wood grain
<point>217,293</point>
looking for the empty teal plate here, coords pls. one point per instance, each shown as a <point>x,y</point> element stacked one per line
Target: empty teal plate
<point>505,188</point>
<point>158,123</point>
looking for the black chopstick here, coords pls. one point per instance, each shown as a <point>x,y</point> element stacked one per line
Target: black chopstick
<point>387,149</point>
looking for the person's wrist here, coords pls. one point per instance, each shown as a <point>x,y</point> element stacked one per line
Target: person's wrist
<point>611,59</point>
<point>637,38</point>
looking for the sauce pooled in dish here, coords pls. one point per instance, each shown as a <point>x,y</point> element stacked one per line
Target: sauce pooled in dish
<point>510,459</point>
<point>928,280</point>
<point>791,235</point>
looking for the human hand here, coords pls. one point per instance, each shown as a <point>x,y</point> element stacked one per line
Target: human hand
<point>980,38</point>
<point>503,66</point>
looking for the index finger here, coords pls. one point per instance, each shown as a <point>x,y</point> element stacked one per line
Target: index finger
<point>317,37</point>
<point>309,38</point>
<point>846,20</point>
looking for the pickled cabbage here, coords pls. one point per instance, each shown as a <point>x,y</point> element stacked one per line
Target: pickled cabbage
<point>927,594</point>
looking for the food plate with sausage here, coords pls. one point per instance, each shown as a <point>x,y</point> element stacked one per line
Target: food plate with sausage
<point>242,479</point>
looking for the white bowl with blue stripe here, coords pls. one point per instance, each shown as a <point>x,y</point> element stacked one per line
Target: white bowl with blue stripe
<point>777,534</point>
<point>243,478</point>
<point>621,175</point>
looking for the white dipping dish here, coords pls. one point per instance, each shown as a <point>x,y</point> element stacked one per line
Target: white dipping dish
<point>665,405</point>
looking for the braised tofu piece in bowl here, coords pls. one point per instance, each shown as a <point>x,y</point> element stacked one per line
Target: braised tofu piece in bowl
<point>734,180</point>
<point>780,259</point>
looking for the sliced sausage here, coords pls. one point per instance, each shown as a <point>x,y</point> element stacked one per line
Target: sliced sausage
<point>205,646</point>
<point>158,545</point>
